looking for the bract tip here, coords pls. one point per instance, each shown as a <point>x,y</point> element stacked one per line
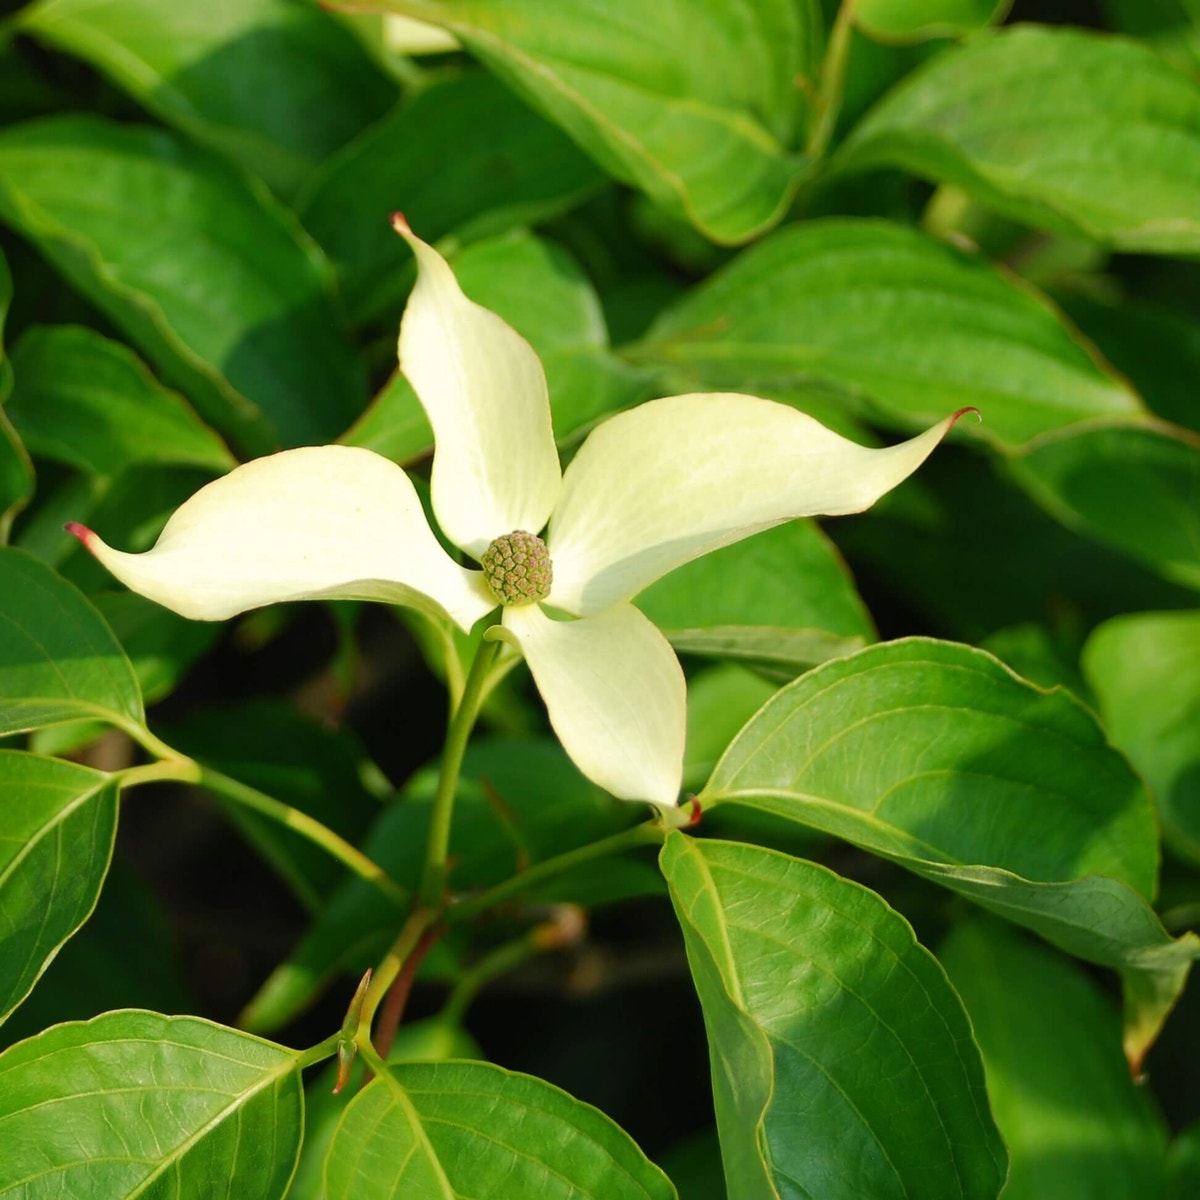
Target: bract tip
<point>400,224</point>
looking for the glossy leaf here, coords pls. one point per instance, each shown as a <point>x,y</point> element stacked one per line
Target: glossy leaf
<point>58,659</point>
<point>16,471</point>
<point>911,20</point>
<point>88,402</point>
<point>232,306</point>
<point>935,756</point>
<point>135,1104</point>
<point>57,827</point>
<point>1056,127</point>
<point>509,168</point>
<point>698,107</point>
<point>843,1064</point>
<point>450,1131</point>
<point>1074,1122</point>
<point>275,86</point>
<point>1133,489</point>
<point>782,598</point>
<point>885,314</point>
<point>1145,671</point>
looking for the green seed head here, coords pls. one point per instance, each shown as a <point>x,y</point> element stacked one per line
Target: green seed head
<point>517,568</point>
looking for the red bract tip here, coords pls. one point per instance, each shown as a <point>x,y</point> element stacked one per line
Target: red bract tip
<point>400,223</point>
<point>962,412</point>
<point>82,532</point>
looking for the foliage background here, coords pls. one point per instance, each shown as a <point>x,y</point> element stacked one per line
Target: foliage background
<point>193,208</point>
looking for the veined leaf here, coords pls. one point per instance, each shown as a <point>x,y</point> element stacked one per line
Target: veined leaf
<point>1058,128</point>
<point>937,757</point>
<point>1074,1121</point>
<point>57,826</point>
<point>1145,671</point>
<point>58,659</point>
<point>843,1064</point>
<point>914,327</point>
<point>213,281</point>
<point>276,86</point>
<point>455,1130</point>
<point>16,471</point>
<point>699,106</point>
<point>134,1104</point>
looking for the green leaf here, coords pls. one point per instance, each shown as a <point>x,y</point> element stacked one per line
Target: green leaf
<point>450,1131</point>
<point>1133,489</point>
<point>276,86</point>
<point>1074,1122</point>
<point>913,20</point>
<point>138,1104</point>
<point>699,106</point>
<point>88,402</point>
<point>1145,671</point>
<point>16,471</point>
<point>720,701</point>
<point>782,599</point>
<point>935,756</point>
<point>1171,26</point>
<point>57,826</point>
<point>540,290</point>
<point>843,1064</point>
<point>1183,1164</point>
<point>1058,128</point>
<point>213,281</point>
<point>58,659</point>
<point>914,327</point>
<point>508,167</point>
<point>519,801</point>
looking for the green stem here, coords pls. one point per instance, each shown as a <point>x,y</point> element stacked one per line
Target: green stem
<point>176,770</point>
<point>411,933</point>
<point>292,818</point>
<point>433,879</point>
<point>833,80</point>
<point>498,962</point>
<point>646,834</point>
<point>320,1052</point>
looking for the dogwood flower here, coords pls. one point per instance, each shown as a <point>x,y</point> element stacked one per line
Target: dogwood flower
<point>650,489</point>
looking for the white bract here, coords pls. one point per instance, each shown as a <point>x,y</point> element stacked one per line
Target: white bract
<point>649,490</point>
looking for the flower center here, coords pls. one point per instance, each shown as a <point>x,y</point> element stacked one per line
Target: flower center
<point>517,568</point>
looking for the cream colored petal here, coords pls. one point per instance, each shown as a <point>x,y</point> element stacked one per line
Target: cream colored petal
<point>495,465</point>
<point>672,479</point>
<point>406,35</point>
<point>615,694</point>
<point>318,522</point>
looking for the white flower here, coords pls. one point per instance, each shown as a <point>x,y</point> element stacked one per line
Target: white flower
<point>649,490</point>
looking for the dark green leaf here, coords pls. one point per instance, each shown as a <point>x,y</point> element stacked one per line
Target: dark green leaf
<point>134,1104</point>
<point>1183,1165</point>
<point>905,20</point>
<point>1059,128</point>
<point>464,157</point>
<point>16,471</point>
<point>212,280</point>
<point>58,659</point>
<point>452,1131</point>
<point>1074,1122</point>
<point>719,702</point>
<point>89,402</point>
<point>1133,489</point>
<point>57,826</point>
<point>1145,671</point>
<point>274,85</point>
<point>700,106</point>
<point>911,325</point>
<point>843,1064</point>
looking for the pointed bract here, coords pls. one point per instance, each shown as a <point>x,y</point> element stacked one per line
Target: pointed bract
<point>495,465</point>
<point>615,694</point>
<point>672,479</point>
<point>318,522</point>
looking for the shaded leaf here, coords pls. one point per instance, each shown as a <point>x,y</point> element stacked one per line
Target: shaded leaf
<point>1074,1122</point>
<point>134,1104</point>
<point>910,20</point>
<point>57,826</point>
<point>16,471</point>
<point>453,1130</point>
<point>1058,128</point>
<point>276,86</point>
<point>843,1064</point>
<point>885,314</point>
<point>213,281</point>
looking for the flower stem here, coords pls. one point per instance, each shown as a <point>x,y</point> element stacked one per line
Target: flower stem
<point>292,818</point>
<point>433,879</point>
<point>828,104</point>
<point>646,834</point>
